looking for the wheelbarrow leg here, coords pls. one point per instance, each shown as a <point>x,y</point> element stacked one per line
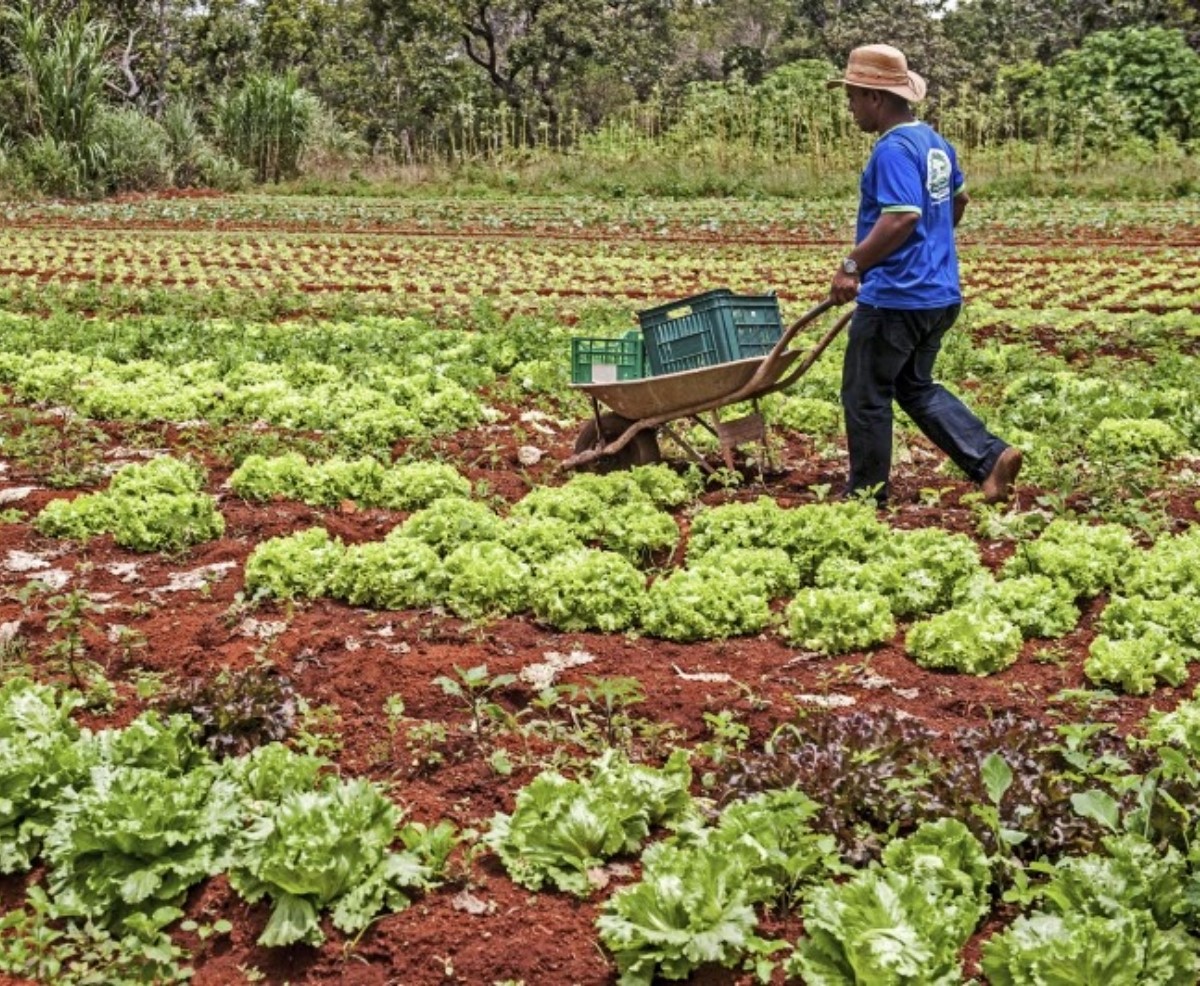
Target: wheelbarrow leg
<point>749,428</point>
<point>687,447</point>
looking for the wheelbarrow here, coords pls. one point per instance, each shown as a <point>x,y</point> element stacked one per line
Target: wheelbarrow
<point>627,435</point>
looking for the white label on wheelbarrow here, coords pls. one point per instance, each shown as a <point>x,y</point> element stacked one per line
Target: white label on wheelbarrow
<point>604,373</point>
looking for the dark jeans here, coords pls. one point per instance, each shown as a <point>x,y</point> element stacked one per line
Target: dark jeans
<point>890,356</point>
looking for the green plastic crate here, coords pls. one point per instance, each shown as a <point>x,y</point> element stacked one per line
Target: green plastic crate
<point>608,360</point>
<point>707,329</point>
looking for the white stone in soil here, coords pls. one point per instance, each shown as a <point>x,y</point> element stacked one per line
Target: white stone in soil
<point>198,578</point>
<point>16,493</point>
<point>529,455</point>
<point>55,578</point>
<point>25,561</point>
<point>260,629</point>
<point>542,674</point>
<point>833,701</point>
<point>126,571</point>
<point>717,677</point>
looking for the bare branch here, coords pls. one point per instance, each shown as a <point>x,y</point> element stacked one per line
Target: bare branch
<point>126,66</point>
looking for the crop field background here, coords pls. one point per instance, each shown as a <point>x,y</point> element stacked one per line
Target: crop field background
<point>315,668</point>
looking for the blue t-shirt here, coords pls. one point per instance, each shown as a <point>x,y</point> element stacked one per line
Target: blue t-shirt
<point>912,169</point>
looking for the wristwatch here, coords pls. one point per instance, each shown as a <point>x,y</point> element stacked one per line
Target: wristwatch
<point>850,266</point>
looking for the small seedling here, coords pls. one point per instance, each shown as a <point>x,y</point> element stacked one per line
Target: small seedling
<point>475,688</point>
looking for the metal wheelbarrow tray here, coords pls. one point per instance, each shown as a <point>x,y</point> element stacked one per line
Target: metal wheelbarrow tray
<point>627,437</point>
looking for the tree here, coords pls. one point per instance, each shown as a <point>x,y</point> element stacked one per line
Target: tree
<point>544,57</point>
<point>989,35</point>
<point>1142,82</point>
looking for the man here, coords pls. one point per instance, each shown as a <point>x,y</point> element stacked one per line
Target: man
<point>904,272</point>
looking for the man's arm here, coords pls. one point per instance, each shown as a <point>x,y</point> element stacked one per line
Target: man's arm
<point>886,237</point>
<point>960,205</point>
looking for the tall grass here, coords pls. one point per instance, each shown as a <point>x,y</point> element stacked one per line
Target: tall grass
<point>62,72</point>
<point>265,125</point>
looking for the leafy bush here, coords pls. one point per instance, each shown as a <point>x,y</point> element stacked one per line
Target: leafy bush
<point>1176,617</point>
<point>657,485</point>
<point>689,909</point>
<point>704,605</point>
<point>328,847</point>
<point>1117,440</point>
<point>446,524</point>
<point>812,533</point>
<point>972,639</point>
<point>1180,727</point>
<point>694,902</point>
<point>135,838</point>
<point>81,519</point>
<point>735,525</point>
<point>945,854</point>
<point>917,571</point>
<point>39,760</point>
<point>269,773</point>
<point>808,415</point>
<point>330,482</point>
<point>835,621</point>
<point>155,506</point>
<point>52,166</point>
<point>809,534</point>
<point>1136,665</point>
<point>414,485</point>
<point>538,539</point>
<point>1038,605</point>
<point>770,568</point>
<point>484,578</point>
<point>237,710</point>
<point>771,833</point>
<point>562,828</point>
<point>585,589</point>
<point>906,921</point>
<point>408,486</point>
<point>261,478</point>
<point>574,504</point>
<point>1127,948</point>
<point>1090,559</point>
<point>164,474</point>
<point>1110,918</point>
<point>296,565</point>
<point>134,152</point>
<point>637,530</point>
<point>1170,567</point>
<point>396,573</point>
<point>165,522</point>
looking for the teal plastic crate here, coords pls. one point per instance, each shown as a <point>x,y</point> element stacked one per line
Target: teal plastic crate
<point>707,329</point>
<point>608,360</point>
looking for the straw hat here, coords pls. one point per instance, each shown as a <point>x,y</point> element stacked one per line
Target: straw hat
<point>881,67</point>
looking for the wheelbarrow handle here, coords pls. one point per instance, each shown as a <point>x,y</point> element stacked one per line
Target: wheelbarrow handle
<point>810,315</point>
<point>756,383</point>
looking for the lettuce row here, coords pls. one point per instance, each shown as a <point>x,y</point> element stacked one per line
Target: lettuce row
<point>1119,918</point>
<point>155,506</point>
<point>128,819</point>
<point>404,486</point>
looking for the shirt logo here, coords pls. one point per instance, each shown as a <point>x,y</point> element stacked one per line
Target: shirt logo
<point>937,175</point>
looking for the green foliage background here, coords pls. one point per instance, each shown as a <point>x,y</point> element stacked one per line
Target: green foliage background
<point>343,89</point>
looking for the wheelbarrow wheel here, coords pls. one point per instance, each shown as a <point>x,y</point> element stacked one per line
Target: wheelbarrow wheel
<point>641,450</point>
